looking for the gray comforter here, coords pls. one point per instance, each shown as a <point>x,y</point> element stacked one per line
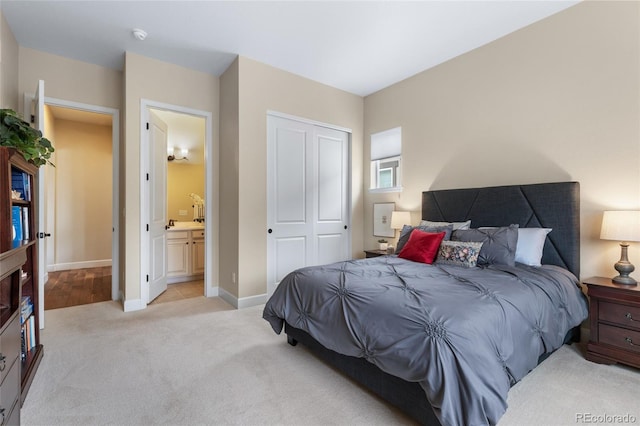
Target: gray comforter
<point>465,334</point>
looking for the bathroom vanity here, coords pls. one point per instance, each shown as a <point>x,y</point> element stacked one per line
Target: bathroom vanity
<point>185,252</point>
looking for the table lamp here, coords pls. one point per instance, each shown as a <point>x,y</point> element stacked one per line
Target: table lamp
<point>623,226</point>
<point>399,219</point>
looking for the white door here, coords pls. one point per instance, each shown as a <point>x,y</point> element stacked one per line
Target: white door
<point>307,196</point>
<point>158,206</point>
<point>38,123</point>
<point>331,200</point>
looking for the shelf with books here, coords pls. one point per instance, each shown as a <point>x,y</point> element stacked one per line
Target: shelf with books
<point>19,253</point>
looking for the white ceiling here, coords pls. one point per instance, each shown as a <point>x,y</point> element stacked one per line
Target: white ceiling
<point>358,46</point>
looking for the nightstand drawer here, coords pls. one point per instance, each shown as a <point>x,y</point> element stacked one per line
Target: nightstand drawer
<point>627,316</point>
<point>628,340</point>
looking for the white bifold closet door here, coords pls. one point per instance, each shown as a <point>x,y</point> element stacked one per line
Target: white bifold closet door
<point>307,196</point>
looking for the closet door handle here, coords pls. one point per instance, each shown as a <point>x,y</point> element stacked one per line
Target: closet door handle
<point>270,230</point>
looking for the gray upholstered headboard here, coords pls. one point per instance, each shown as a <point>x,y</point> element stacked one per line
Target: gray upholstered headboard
<point>547,205</point>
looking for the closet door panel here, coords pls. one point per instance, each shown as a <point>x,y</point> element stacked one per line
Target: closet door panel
<point>307,196</point>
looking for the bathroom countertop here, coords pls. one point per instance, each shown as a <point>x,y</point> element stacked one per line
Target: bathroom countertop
<point>181,226</point>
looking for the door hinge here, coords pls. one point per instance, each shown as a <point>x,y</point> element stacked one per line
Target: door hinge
<point>147,227</point>
<point>147,126</point>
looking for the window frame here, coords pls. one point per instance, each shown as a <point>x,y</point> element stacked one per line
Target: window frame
<point>396,175</point>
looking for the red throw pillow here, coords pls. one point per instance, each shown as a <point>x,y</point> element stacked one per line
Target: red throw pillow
<point>422,246</point>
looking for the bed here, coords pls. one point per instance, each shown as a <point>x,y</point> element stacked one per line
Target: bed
<point>444,342</point>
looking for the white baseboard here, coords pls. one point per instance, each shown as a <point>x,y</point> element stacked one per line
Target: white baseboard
<point>247,302</point>
<point>244,302</point>
<point>184,278</point>
<point>134,305</point>
<point>228,297</point>
<point>78,265</point>
<point>213,292</point>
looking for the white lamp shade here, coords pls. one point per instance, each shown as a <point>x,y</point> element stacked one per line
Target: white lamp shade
<point>621,225</point>
<point>399,219</point>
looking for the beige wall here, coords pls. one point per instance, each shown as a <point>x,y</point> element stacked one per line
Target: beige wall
<point>262,88</point>
<point>83,193</point>
<point>183,178</point>
<point>69,79</point>
<point>157,81</point>
<point>8,66</point>
<point>229,177</point>
<point>558,100</point>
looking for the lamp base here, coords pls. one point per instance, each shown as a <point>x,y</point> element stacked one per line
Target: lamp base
<point>624,280</point>
<point>624,267</point>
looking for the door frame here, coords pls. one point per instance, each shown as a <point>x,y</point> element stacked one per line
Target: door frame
<point>349,132</point>
<point>116,294</point>
<point>211,182</point>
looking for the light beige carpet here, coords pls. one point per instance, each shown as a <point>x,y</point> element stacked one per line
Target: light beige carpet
<point>198,361</point>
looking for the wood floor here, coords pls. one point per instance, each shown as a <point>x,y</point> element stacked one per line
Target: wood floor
<point>92,285</point>
<point>77,287</point>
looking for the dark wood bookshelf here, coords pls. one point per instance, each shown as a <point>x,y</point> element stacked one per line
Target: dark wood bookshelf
<point>19,273</point>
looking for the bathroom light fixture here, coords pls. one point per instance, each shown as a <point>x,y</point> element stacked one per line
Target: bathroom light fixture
<point>139,34</point>
<point>171,156</point>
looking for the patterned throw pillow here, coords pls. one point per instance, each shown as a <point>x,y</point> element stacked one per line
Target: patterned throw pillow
<point>459,253</point>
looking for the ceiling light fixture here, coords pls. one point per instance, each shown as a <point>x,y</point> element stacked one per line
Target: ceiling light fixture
<point>139,34</point>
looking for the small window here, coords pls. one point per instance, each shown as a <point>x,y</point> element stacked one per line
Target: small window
<point>386,150</point>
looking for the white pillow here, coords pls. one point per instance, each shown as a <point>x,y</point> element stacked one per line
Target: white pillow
<point>456,225</point>
<point>530,245</point>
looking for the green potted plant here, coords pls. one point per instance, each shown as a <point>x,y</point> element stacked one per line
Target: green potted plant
<point>18,134</point>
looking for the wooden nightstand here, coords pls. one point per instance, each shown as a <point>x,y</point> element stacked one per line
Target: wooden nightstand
<point>614,318</point>
<point>375,253</point>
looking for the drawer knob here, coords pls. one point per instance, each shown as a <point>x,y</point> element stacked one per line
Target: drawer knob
<point>630,341</point>
<point>629,316</point>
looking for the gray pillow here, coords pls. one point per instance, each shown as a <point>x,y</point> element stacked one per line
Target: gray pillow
<point>456,225</point>
<point>407,229</point>
<point>499,244</point>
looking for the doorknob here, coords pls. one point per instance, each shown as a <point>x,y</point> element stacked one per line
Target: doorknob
<point>270,230</point>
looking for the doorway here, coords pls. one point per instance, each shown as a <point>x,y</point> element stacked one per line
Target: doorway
<point>78,199</point>
<point>183,260</point>
<point>185,188</point>
<point>34,106</point>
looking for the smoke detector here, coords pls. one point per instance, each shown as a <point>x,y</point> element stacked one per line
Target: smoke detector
<point>139,34</point>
